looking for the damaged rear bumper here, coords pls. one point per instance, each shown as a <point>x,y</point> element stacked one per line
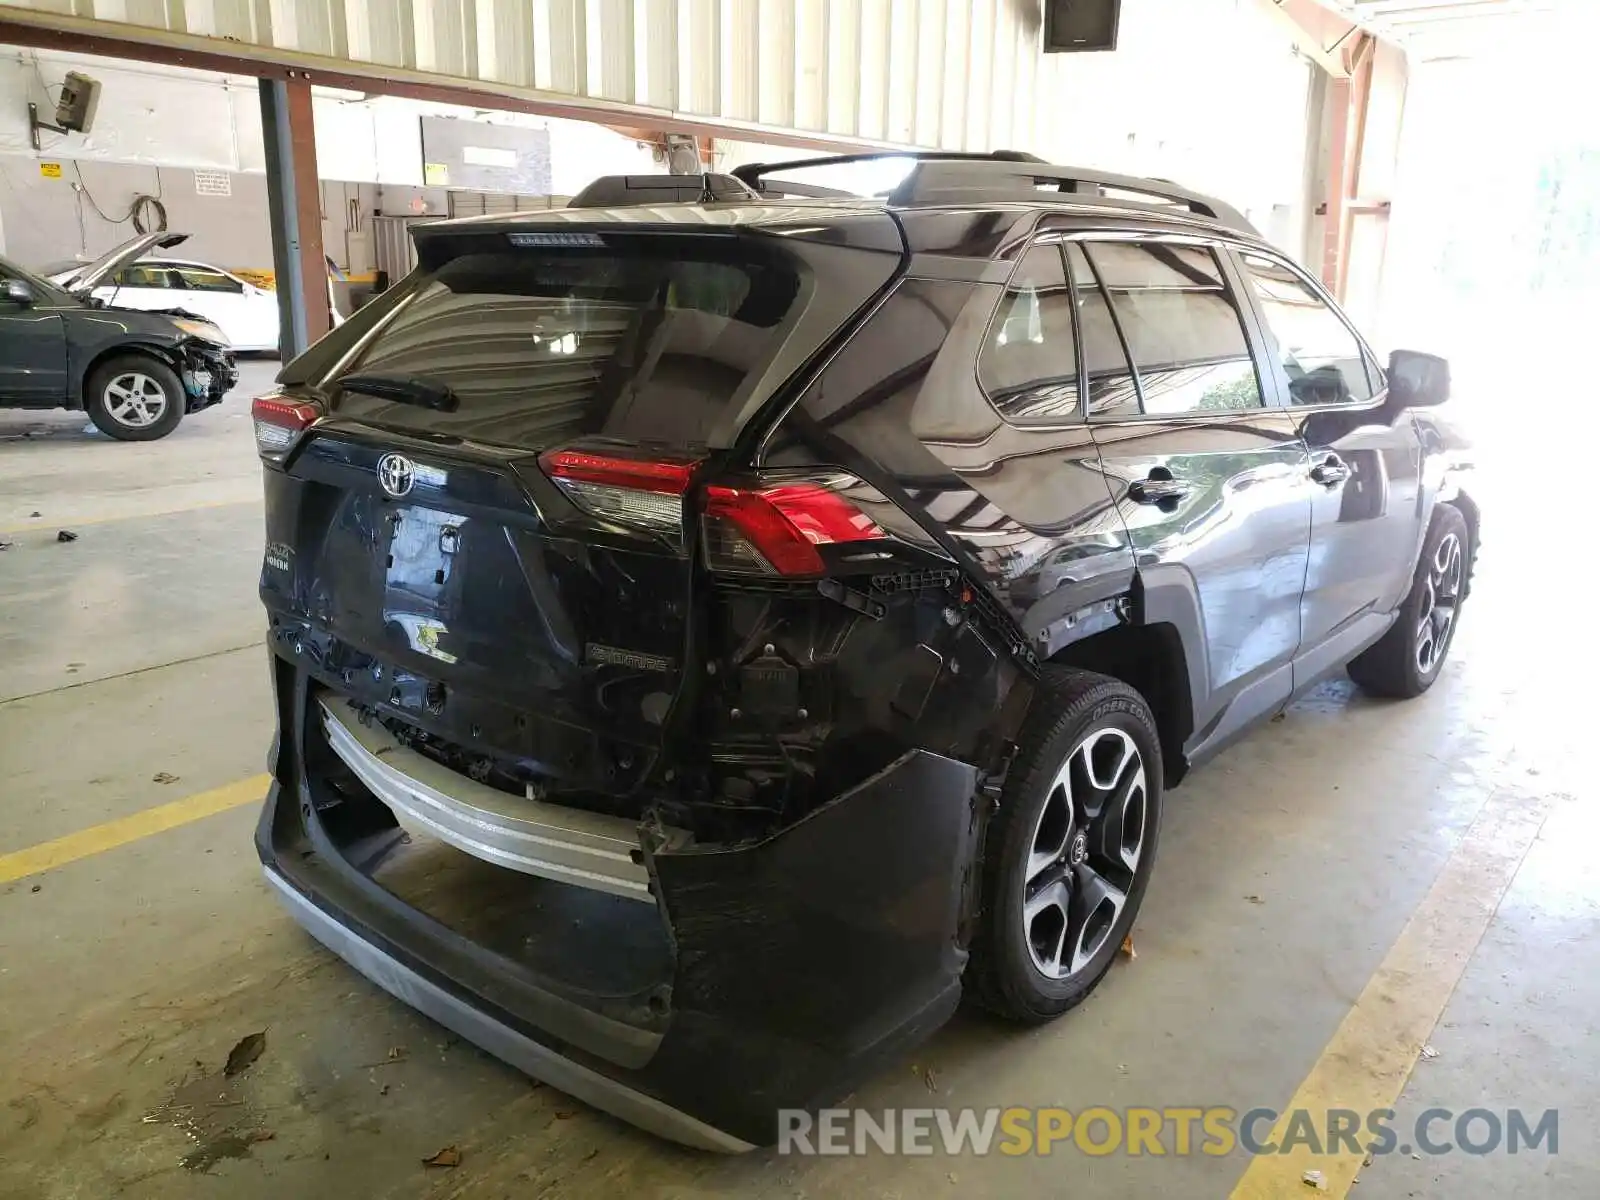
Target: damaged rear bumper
<point>498,1037</point>
<point>800,964</point>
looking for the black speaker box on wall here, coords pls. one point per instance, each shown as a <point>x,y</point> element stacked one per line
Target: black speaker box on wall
<point>1075,25</point>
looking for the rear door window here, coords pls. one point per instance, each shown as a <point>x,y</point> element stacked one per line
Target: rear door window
<point>1181,326</point>
<point>540,347</point>
<point>1111,385</point>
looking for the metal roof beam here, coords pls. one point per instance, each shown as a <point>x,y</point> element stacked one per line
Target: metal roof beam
<point>1318,31</point>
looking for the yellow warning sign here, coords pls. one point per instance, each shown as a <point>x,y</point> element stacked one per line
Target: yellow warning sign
<point>50,170</point>
<point>436,174</point>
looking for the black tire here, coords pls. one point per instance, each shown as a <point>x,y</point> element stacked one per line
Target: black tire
<point>101,402</point>
<point>1071,708</point>
<point>1394,666</point>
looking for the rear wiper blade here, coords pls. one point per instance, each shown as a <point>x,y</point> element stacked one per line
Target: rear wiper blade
<point>405,389</point>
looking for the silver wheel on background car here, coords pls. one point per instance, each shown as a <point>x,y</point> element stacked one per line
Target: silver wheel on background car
<point>1440,597</point>
<point>1083,855</point>
<point>135,399</point>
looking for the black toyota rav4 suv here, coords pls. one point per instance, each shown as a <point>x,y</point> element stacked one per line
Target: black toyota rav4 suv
<point>718,625</point>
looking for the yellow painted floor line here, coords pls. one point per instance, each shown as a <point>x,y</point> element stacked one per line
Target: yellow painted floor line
<point>70,521</point>
<point>1372,1053</point>
<point>99,838</point>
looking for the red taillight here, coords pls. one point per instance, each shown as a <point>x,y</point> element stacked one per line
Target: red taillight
<point>645,493</point>
<point>279,423</point>
<point>777,529</point>
<point>773,529</point>
<point>668,478</point>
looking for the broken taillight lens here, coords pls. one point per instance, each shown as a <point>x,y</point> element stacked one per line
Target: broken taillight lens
<point>279,423</point>
<point>776,529</point>
<point>645,493</point>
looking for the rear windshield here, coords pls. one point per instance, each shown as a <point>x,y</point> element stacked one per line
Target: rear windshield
<point>543,346</point>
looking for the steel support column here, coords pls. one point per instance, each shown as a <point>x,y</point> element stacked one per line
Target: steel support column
<point>1338,150</point>
<point>1360,103</point>
<point>294,204</point>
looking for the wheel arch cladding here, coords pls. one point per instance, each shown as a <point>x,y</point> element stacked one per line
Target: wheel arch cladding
<point>1151,659</point>
<point>1470,513</point>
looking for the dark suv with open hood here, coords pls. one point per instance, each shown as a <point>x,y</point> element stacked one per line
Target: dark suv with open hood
<point>135,373</point>
<point>794,605</point>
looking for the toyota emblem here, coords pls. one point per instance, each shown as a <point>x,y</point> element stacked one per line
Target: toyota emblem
<point>396,474</point>
<point>1079,850</point>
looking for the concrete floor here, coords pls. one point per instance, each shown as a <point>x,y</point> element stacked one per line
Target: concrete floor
<point>1289,867</point>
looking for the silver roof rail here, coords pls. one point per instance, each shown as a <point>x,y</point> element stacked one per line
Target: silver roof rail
<point>938,177</point>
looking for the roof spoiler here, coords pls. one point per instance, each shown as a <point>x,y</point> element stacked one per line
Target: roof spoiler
<point>624,191</point>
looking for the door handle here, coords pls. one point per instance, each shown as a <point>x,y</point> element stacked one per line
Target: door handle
<point>1157,491</point>
<point>1331,471</point>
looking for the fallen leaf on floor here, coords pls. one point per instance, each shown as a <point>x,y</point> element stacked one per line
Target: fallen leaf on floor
<point>396,1054</point>
<point>1367,1161</point>
<point>1255,899</point>
<point>245,1051</point>
<point>1127,947</point>
<point>565,1115</point>
<point>163,777</point>
<point>36,514</point>
<point>1429,1052</point>
<point>448,1157</point>
<point>384,1090</point>
<point>930,1079</point>
<point>1280,716</point>
<point>260,1135</point>
<point>592,1154</point>
<point>66,535</point>
<point>38,887</point>
<point>952,1176</point>
<point>1315,1179</point>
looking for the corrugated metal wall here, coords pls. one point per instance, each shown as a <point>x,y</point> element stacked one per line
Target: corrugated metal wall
<point>1207,91</point>
<point>948,73</point>
<point>957,74</point>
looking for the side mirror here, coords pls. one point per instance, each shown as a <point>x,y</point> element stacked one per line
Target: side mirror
<point>15,291</point>
<point>1418,380</point>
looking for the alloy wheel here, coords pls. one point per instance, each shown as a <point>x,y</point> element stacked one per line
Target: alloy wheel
<point>1441,593</point>
<point>1085,851</point>
<point>135,400</point>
